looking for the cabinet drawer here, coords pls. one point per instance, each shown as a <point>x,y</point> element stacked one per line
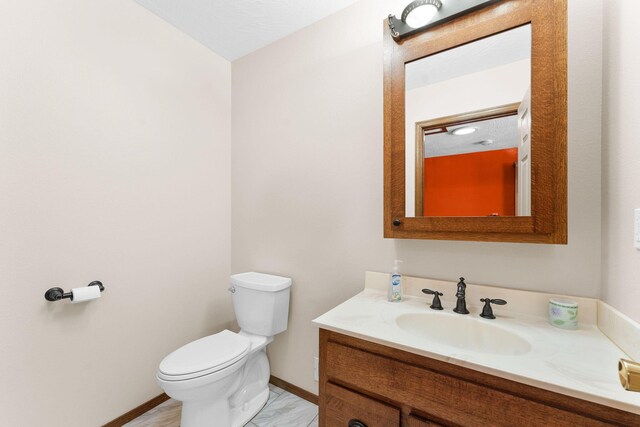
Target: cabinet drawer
<point>412,421</point>
<point>439,395</point>
<point>343,407</point>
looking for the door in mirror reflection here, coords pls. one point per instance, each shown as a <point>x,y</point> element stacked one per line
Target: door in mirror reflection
<point>468,129</point>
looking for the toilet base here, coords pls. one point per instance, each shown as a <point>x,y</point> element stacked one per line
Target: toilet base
<point>231,400</point>
<point>253,392</point>
<point>208,413</point>
<point>241,416</point>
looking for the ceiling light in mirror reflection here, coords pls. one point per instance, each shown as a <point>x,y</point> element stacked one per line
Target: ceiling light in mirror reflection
<point>466,130</point>
<point>499,133</point>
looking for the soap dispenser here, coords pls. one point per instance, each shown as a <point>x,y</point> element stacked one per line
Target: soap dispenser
<point>394,294</point>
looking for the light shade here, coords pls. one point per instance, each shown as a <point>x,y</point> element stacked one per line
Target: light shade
<point>420,12</point>
<point>464,130</point>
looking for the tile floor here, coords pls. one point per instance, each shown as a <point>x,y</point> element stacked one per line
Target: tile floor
<point>283,409</point>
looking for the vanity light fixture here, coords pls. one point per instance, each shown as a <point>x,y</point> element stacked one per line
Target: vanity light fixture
<point>416,15</point>
<point>467,130</point>
<point>420,15</point>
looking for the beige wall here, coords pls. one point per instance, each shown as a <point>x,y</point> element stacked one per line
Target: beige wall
<point>114,165</point>
<point>307,177</point>
<point>621,155</point>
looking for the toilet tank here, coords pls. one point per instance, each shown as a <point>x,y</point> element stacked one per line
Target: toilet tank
<point>261,302</point>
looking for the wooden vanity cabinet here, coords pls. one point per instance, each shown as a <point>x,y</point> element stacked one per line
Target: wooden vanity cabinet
<point>363,384</point>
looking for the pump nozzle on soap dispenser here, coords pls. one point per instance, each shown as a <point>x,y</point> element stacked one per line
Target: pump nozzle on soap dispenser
<point>394,294</point>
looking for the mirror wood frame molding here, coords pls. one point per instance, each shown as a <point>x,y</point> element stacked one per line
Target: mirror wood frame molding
<point>548,220</point>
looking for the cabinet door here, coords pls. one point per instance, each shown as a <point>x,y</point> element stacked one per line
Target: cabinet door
<point>345,408</point>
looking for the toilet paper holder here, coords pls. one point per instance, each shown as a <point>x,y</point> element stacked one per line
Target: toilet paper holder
<point>56,294</point>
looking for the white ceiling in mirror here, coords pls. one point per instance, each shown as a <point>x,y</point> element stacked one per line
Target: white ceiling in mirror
<point>504,48</point>
<point>234,28</point>
<point>502,132</point>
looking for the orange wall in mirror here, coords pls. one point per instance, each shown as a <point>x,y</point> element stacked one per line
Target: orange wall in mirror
<point>474,184</point>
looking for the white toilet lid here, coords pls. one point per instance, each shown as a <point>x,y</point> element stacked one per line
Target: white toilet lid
<point>204,356</point>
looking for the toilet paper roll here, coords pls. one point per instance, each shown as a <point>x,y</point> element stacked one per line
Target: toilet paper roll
<point>86,293</point>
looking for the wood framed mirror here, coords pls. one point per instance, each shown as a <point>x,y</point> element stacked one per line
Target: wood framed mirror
<point>475,127</point>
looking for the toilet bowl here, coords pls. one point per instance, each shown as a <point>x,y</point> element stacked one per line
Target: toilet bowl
<point>222,379</point>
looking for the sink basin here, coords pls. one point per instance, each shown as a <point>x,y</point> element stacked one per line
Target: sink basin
<point>463,332</point>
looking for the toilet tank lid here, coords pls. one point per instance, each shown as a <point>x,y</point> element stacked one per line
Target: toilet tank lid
<point>260,281</point>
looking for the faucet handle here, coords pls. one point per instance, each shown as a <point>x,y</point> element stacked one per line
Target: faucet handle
<point>487,311</point>
<point>436,304</point>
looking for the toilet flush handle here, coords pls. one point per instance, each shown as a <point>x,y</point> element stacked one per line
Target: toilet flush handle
<point>232,289</point>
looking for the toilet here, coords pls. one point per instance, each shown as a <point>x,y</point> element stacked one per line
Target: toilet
<point>223,379</point>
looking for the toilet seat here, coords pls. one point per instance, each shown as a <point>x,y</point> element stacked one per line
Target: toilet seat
<point>204,356</point>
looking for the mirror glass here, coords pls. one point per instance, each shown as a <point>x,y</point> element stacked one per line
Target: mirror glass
<point>467,127</point>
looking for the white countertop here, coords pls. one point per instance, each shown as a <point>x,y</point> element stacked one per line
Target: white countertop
<point>581,363</point>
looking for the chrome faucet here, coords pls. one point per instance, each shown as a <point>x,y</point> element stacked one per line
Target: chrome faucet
<point>461,304</point>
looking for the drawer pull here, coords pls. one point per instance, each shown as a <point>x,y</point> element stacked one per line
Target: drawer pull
<point>356,423</point>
